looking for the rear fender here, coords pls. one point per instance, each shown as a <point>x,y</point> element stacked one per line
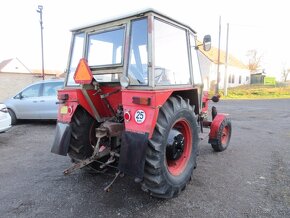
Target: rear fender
<point>89,100</point>
<point>142,117</point>
<point>214,127</point>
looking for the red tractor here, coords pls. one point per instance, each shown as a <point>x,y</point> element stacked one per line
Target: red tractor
<point>134,99</point>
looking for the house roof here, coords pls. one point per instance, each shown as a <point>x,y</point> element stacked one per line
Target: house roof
<point>212,55</point>
<point>6,62</point>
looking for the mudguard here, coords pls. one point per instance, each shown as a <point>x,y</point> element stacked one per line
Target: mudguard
<point>214,128</point>
<point>62,139</point>
<point>133,152</point>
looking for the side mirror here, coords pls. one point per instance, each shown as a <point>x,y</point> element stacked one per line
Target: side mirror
<point>206,42</point>
<point>18,96</point>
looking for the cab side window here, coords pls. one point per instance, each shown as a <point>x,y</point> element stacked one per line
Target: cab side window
<point>171,54</point>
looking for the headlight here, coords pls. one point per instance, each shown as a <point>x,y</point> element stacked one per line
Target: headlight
<point>124,80</point>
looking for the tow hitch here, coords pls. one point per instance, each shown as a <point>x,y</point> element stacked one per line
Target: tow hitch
<point>100,133</point>
<point>108,129</point>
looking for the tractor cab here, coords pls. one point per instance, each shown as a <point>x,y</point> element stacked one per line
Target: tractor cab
<point>145,51</point>
<point>134,97</point>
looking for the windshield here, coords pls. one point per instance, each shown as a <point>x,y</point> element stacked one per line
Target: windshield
<point>106,48</point>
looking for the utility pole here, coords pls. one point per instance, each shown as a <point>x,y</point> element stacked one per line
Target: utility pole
<point>40,7</point>
<point>218,66</point>
<point>226,63</point>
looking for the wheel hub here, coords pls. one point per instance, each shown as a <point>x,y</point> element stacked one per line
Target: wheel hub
<point>175,145</point>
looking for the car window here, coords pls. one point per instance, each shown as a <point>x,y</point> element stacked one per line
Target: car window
<point>50,89</point>
<point>32,91</point>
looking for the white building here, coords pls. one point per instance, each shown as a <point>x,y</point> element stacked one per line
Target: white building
<point>238,73</point>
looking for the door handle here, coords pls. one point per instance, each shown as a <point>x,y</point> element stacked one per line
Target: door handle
<point>34,101</point>
<point>41,101</point>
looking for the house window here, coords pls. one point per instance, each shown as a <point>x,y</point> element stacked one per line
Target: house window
<point>233,78</point>
<point>230,78</point>
<point>240,79</point>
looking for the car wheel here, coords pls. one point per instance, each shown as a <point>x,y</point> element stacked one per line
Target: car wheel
<point>13,117</point>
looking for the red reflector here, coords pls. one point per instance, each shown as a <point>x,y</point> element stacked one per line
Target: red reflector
<point>83,74</point>
<point>127,116</point>
<point>142,101</point>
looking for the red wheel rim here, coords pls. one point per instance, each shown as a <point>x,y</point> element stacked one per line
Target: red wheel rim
<point>176,167</point>
<point>225,135</point>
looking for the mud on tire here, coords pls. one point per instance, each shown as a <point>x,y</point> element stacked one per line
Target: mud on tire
<point>82,137</point>
<point>169,166</point>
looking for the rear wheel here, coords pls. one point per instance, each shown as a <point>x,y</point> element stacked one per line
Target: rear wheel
<point>171,152</point>
<point>223,136</point>
<point>83,137</point>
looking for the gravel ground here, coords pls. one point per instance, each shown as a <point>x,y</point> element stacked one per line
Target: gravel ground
<point>250,179</point>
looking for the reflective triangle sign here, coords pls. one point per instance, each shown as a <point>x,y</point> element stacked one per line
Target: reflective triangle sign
<point>83,74</point>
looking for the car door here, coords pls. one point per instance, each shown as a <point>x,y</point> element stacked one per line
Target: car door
<point>49,100</point>
<point>26,103</point>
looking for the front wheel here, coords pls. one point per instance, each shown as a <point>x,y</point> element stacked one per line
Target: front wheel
<point>13,117</point>
<point>223,136</point>
<point>171,152</point>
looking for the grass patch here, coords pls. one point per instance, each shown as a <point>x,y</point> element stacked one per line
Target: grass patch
<point>257,92</point>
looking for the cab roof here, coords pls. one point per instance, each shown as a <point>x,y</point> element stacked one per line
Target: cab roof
<point>133,15</point>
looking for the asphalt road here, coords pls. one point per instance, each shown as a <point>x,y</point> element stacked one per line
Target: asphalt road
<point>250,179</point>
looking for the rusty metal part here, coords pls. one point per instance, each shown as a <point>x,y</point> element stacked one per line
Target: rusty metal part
<point>107,129</point>
<point>114,129</point>
<point>107,188</point>
<point>112,159</point>
<point>100,133</point>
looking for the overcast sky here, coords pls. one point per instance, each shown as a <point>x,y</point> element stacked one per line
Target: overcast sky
<point>254,24</point>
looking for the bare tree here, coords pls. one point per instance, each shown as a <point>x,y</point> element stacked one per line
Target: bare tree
<point>254,60</point>
<point>285,74</point>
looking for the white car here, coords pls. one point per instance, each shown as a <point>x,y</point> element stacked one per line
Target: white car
<point>5,119</point>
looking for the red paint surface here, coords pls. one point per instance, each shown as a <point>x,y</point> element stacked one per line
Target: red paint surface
<point>158,98</point>
<point>215,125</point>
<point>205,102</point>
<point>76,97</point>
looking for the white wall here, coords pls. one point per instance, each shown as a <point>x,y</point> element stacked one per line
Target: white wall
<point>209,74</point>
<point>14,66</point>
<point>205,68</point>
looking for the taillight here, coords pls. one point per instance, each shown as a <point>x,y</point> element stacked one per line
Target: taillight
<point>63,97</point>
<point>141,100</point>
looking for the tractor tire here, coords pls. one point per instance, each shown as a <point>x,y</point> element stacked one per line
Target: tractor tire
<point>13,117</point>
<point>82,135</point>
<point>172,150</point>
<point>223,136</point>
